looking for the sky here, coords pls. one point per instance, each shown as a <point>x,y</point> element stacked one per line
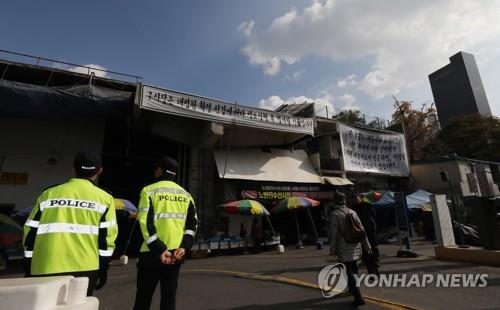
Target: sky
<point>341,54</point>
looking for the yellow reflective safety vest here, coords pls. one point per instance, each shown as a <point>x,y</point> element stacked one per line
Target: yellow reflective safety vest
<point>167,216</point>
<point>70,226</point>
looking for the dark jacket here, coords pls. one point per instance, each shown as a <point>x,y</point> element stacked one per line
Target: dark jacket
<point>366,214</point>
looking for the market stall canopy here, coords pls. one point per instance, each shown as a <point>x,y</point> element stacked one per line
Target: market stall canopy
<point>371,197</point>
<point>336,181</point>
<point>417,200</point>
<point>126,206</point>
<point>245,207</point>
<point>294,204</point>
<point>386,199</point>
<point>274,165</point>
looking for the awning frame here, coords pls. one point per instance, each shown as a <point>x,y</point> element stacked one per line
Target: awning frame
<point>336,181</point>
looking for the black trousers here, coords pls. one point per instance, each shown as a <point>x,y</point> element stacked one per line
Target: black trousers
<point>351,270</point>
<point>371,260</point>
<point>150,270</point>
<point>372,239</point>
<point>92,275</point>
<point>370,263</point>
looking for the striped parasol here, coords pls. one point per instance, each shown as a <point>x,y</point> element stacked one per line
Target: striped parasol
<point>294,203</point>
<point>370,197</point>
<point>245,207</point>
<point>125,205</point>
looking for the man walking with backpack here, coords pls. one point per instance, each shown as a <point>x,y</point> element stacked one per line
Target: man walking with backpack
<point>366,214</point>
<point>346,238</point>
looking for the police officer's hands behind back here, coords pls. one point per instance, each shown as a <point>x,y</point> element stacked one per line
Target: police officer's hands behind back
<point>167,258</point>
<point>179,253</point>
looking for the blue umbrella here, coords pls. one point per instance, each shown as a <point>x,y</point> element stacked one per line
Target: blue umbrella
<point>23,213</point>
<point>124,204</point>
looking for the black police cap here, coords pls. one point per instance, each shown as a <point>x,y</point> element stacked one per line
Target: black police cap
<point>87,163</point>
<point>168,165</point>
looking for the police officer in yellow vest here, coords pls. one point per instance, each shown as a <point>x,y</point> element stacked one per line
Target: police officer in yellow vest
<point>72,227</point>
<point>167,216</point>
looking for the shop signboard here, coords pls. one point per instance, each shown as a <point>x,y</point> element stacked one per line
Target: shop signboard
<point>280,192</point>
<point>373,151</point>
<point>182,104</point>
<point>13,178</point>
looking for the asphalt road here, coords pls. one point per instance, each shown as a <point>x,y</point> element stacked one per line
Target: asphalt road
<point>214,283</point>
<point>206,290</point>
<point>209,291</point>
<point>200,289</point>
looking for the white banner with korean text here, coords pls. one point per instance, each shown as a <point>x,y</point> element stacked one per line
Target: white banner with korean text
<point>172,102</point>
<point>372,151</point>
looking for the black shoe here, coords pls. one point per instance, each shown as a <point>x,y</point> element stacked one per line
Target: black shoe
<point>357,302</point>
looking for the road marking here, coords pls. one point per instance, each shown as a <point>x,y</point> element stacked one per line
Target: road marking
<point>252,276</point>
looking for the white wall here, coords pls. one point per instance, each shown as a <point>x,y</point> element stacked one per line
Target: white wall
<point>427,177</point>
<point>27,145</point>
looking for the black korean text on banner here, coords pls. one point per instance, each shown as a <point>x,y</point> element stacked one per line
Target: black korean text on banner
<point>371,151</point>
<point>177,103</point>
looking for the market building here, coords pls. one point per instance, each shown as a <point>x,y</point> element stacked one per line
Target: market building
<point>226,151</point>
<point>48,114</point>
<point>235,152</point>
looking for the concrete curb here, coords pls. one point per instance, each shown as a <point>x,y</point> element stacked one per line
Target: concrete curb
<point>245,275</point>
<point>471,255</point>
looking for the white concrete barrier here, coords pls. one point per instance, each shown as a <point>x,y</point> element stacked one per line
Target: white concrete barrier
<point>46,293</point>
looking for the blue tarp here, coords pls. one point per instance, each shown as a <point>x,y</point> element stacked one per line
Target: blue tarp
<point>387,199</point>
<point>24,212</point>
<point>414,200</point>
<point>67,102</point>
<point>417,199</point>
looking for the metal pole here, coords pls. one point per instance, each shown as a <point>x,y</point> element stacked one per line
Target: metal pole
<point>38,59</point>
<point>319,244</point>
<point>299,241</point>
<point>129,236</point>
<point>312,222</point>
<point>245,243</point>
<point>270,224</point>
